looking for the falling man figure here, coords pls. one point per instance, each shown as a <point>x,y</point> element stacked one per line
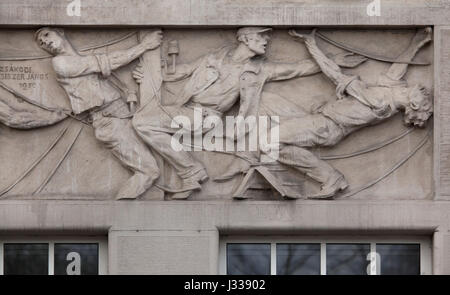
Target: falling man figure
<point>357,105</point>
<point>84,78</point>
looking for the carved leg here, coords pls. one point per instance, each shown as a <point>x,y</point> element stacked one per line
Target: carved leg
<point>306,162</point>
<point>191,172</point>
<point>314,130</point>
<point>119,136</point>
<point>309,131</point>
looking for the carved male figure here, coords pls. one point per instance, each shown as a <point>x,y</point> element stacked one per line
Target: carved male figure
<point>216,82</point>
<point>358,105</point>
<point>84,78</point>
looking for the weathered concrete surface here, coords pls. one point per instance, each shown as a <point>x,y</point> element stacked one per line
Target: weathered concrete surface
<point>182,237</point>
<point>442,115</point>
<point>225,215</point>
<point>163,252</point>
<point>225,12</point>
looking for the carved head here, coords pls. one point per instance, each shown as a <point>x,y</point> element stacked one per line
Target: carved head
<point>51,40</point>
<point>255,38</point>
<point>419,108</point>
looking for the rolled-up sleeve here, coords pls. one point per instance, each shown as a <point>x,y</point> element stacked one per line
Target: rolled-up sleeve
<point>104,64</point>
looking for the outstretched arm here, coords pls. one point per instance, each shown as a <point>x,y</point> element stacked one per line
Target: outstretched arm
<point>328,66</point>
<point>285,71</point>
<point>398,70</point>
<point>123,57</point>
<point>80,65</point>
<point>26,116</point>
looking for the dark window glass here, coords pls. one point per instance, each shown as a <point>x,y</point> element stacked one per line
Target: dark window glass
<point>76,259</point>
<point>298,259</point>
<point>25,259</point>
<point>248,259</point>
<point>399,259</point>
<point>347,259</point>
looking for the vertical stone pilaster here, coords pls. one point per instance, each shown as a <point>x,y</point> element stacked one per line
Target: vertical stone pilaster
<point>442,112</point>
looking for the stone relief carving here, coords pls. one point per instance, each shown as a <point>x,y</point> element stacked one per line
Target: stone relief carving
<point>358,104</point>
<point>83,78</point>
<point>138,128</point>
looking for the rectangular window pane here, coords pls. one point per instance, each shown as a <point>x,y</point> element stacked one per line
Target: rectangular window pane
<point>399,259</point>
<point>347,259</point>
<point>25,259</point>
<point>248,259</point>
<point>298,259</point>
<point>76,259</point>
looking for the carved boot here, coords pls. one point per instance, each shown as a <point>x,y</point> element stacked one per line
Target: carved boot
<point>201,176</point>
<point>330,188</point>
<point>135,186</point>
<point>191,183</point>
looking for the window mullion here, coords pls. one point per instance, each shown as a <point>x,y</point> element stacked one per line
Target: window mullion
<point>1,258</point>
<point>51,258</point>
<point>373,258</point>
<point>323,258</point>
<point>273,258</point>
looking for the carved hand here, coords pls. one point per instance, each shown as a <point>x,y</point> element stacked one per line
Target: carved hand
<point>153,40</point>
<point>303,37</point>
<point>423,36</point>
<point>138,75</point>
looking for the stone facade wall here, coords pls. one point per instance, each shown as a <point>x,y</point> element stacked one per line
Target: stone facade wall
<point>74,194</point>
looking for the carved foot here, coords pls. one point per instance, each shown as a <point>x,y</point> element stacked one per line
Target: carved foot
<point>240,197</point>
<point>202,176</point>
<point>136,186</point>
<point>182,195</point>
<point>329,190</point>
<point>119,198</point>
<point>422,37</point>
<point>295,197</point>
<point>190,184</point>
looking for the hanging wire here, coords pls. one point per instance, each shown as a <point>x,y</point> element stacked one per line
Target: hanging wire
<point>111,42</point>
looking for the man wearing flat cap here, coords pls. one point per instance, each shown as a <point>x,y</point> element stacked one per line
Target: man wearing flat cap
<point>216,82</point>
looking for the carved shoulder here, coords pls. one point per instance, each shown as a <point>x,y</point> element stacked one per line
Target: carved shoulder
<point>74,66</point>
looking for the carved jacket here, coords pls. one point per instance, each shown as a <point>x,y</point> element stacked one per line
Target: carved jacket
<point>255,73</point>
<point>79,77</point>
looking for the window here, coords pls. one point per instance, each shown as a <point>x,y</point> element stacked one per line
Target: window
<point>298,259</point>
<point>347,259</point>
<point>252,259</point>
<point>399,258</point>
<point>26,259</point>
<point>53,256</point>
<point>330,256</point>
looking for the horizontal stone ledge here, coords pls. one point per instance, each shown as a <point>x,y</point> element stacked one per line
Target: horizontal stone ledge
<point>228,218</point>
<point>223,12</point>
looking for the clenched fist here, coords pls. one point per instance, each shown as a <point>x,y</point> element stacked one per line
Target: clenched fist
<point>153,40</point>
<point>138,75</point>
<point>304,37</point>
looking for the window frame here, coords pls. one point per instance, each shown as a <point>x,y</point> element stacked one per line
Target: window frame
<point>424,241</point>
<point>52,240</point>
